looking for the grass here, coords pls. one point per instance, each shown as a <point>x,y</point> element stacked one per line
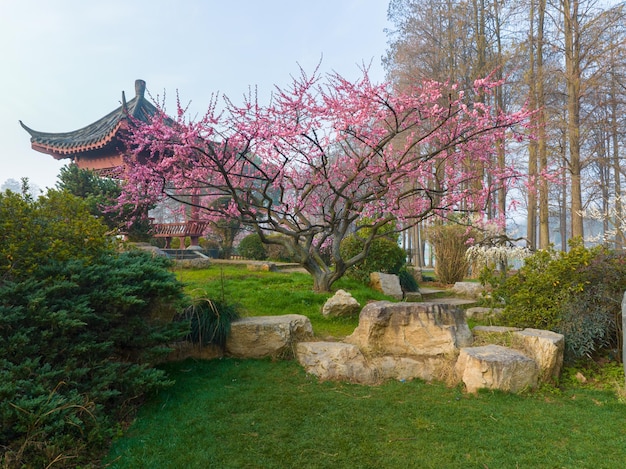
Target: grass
<point>275,293</point>
<point>260,414</point>
<point>231,413</point>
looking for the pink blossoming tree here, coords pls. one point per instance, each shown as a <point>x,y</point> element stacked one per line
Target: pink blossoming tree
<point>324,154</point>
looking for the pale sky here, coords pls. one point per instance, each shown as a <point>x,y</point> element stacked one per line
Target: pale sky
<point>65,63</point>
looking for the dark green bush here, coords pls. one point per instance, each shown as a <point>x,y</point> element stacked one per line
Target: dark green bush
<point>384,256</point>
<point>208,321</point>
<point>251,247</point>
<point>76,343</point>
<point>77,331</point>
<point>577,293</point>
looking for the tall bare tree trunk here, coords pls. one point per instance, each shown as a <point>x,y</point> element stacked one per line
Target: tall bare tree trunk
<point>573,77</point>
<point>542,144</point>
<point>531,218</point>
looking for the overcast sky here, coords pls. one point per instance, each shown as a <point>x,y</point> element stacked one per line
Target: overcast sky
<point>65,63</point>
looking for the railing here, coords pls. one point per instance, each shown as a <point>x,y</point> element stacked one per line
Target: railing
<point>175,230</point>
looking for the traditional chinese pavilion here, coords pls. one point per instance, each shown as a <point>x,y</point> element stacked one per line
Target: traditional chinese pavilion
<point>100,147</point>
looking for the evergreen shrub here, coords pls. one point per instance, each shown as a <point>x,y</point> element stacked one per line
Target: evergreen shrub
<point>384,256</point>
<point>251,247</point>
<point>80,326</point>
<point>577,293</point>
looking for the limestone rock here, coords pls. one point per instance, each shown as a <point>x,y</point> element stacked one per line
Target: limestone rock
<point>335,361</point>
<point>545,347</point>
<point>495,367</point>
<point>410,329</point>
<point>480,313</point>
<point>427,368</point>
<point>341,304</point>
<point>389,284</point>
<point>267,336</point>
<point>469,289</point>
<point>262,267</point>
<point>413,297</point>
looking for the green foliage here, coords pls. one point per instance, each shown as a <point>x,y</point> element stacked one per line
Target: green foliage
<point>384,256</point>
<point>100,195</point>
<point>77,333</point>
<point>56,226</point>
<point>577,293</point>
<point>275,293</point>
<point>450,245</point>
<point>535,295</point>
<point>251,247</point>
<point>208,321</point>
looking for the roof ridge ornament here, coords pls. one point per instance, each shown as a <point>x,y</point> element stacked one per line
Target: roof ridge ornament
<point>124,105</point>
<point>140,88</point>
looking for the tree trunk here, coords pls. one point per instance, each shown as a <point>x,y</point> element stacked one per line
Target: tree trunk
<point>542,144</point>
<point>531,217</point>
<point>573,77</point>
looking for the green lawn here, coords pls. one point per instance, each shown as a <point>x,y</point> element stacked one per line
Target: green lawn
<point>231,413</point>
<point>275,293</point>
<point>261,414</point>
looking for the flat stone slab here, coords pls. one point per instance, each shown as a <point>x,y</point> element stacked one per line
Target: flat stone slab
<point>496,367</point>
<point>413,297</point>
<point>479,312</point>
<point>495,329</point>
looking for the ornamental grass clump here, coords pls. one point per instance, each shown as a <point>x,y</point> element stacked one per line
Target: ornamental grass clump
<point>209,321</point>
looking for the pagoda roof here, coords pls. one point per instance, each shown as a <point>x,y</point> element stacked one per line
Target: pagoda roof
<point>99,137</point>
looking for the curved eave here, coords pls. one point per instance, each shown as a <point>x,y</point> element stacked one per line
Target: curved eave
<point>94,136</point>
<point>60,150</point>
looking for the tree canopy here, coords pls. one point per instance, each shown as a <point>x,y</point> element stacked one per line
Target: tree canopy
<point>323,154</point>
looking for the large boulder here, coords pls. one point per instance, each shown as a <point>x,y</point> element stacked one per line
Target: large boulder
<point>341,304</point>
<point>335,361</point>
<point>389,284</point>
<point>496,367</point>
<point>410,329</point>
<point>545,347</point>
<point>267,336</point>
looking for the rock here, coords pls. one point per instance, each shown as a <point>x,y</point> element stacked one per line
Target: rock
<point>389,284</point>
<point>495,367</point>
<point>341,304</point>
<point>427,368</point>
<point>262,267</point>
<point>545,347</point>
<point>410,329</point>
<point>469,289</point>
<point>335,361</point>
<point>267,336</point>
<point>413,297</point>
<point>480,314</point>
